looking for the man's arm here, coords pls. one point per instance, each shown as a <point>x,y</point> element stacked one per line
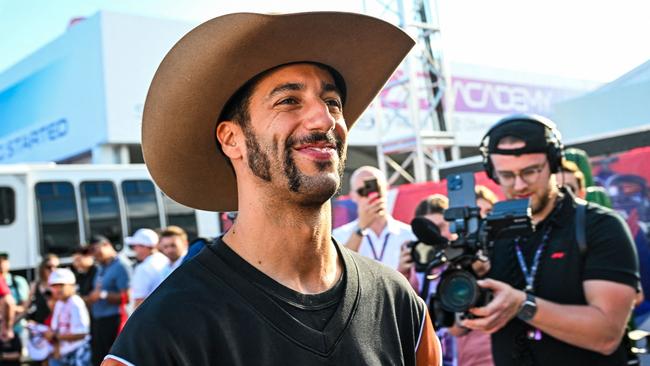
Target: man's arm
<point>369,209</point>
<point>597,326</point>
<point>8,305</point>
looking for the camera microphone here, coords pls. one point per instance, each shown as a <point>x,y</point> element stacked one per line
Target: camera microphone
<point>427,232</point>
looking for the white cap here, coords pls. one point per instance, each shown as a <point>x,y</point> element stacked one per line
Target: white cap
<point>145,237</point>
<point>61,276</point>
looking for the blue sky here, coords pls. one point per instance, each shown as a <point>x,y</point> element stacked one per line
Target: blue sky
<point>592,40</point>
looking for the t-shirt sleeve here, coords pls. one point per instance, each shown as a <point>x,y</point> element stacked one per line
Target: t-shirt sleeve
<point>139,283</point>
<point>611,253</point>
<point>23,288</point>
<point>80,318</point>
<point>146,341</point>
<point>428,350</point>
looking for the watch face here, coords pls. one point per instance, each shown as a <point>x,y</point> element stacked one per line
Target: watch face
<point>528,309</point>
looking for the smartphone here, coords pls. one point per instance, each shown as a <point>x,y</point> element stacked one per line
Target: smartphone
<point>369,186</point>
<point>461,193</point>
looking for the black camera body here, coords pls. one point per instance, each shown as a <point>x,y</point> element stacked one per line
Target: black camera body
<point>457,289</point>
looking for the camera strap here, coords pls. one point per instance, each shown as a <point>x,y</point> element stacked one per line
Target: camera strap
<point>529,273</point>
<point>383,248</point>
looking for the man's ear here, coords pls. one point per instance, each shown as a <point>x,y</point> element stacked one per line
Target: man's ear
<point>228,134</point>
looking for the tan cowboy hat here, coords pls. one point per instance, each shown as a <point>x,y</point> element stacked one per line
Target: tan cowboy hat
<point>207,66</point>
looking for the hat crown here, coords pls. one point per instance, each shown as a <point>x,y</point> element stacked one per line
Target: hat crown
<point>61,276</point>
<point>145,237</point>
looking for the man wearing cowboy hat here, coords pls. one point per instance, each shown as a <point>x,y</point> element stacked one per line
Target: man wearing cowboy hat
<point>251,112</point>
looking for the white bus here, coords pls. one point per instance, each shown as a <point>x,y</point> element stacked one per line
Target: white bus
<point>49,208</point>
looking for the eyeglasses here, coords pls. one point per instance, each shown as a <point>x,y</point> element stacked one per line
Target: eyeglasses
<point>529,175</point>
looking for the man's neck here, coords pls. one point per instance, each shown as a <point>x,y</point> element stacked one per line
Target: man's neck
<point>108,260</point>
<point>289,244</point>
<point>379,225</point>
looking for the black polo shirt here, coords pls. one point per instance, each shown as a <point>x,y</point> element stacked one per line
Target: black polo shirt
<point>610,255</point>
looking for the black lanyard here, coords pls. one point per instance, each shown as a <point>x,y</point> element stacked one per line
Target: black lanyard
<point>383,248</point>
<point>529,274</point>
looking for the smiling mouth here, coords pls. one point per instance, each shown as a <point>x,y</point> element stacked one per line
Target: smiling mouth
<point>317,151</point>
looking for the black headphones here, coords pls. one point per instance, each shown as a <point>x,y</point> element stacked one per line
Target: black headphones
<point>554,152</point>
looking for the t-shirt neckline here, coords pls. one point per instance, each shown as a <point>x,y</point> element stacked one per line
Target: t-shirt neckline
<point>320,342</point>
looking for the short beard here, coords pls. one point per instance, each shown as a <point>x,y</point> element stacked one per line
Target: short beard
<point>317,189</point>
<point>320,189</point>
<point>258,160</point>
<point>544,201</point>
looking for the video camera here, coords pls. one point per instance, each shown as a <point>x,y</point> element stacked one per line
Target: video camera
<point>457,290</point>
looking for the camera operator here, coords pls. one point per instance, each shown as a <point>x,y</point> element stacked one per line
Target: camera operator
<point>375,233</point>
<point>553,304</point>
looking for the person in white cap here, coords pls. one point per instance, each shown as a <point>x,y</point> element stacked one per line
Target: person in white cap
<point>70,325</point>
<point>149,272</point>
<point>250,113</point>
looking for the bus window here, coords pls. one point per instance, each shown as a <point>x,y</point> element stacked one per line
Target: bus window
<point>100,211</point>
<point>182,216</point>
<point>57,215</point>
<point>7,206</point>
<point>141,206</point>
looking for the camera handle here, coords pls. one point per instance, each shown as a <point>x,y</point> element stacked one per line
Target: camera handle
<point>426,284</point>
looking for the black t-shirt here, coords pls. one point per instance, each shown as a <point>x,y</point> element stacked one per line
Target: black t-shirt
<point>216,310</point>
<point>311,310</point>
<point>85,281</point>
<point>610,255</point>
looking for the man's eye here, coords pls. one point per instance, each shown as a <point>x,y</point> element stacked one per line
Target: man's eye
<point>505,175</point>
<point>289,101</point>
<point>334,103</point>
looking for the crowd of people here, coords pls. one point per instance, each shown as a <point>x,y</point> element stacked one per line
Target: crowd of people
<point>552,297</point>
<point>72,316</point>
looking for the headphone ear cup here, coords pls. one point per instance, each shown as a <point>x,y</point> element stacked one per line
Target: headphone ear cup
<point>489,169</point>
<point>555,154</point>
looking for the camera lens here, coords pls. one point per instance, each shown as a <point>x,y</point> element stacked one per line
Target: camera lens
<point>458,291</point>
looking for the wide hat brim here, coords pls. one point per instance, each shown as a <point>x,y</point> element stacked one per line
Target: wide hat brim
<point>210,63</point>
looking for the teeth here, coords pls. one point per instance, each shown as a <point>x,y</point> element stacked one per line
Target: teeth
<point>321,149</point>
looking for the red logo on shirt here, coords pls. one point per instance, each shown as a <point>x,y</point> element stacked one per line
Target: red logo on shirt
<point>557,255</point>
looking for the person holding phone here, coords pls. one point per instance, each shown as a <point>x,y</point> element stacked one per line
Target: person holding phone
<point>375,233</point>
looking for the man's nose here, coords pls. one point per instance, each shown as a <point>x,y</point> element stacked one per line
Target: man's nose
<point>319,116</point>
<point>520,183</point>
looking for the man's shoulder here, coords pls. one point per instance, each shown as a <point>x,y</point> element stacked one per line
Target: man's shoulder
<point>119,264</point>
<point>399,227</point>
<point>154,263</point>
<point>372,271</point>
<point>186,287</point>
<point>77,301</point>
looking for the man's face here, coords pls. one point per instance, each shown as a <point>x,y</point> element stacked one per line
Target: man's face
<point>173,247</point>
<point>442,224</point>
<point>101,252</point>
<point>82,262</point>
<point>568,179</point>
<point>531,176</point>
<point>4,265</point>
<point>359,182</point>
<point>62,292</point>
<point>141,251</point>
<point>296,137</point>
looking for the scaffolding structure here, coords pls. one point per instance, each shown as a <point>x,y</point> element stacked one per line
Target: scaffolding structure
<point>416,91</point>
